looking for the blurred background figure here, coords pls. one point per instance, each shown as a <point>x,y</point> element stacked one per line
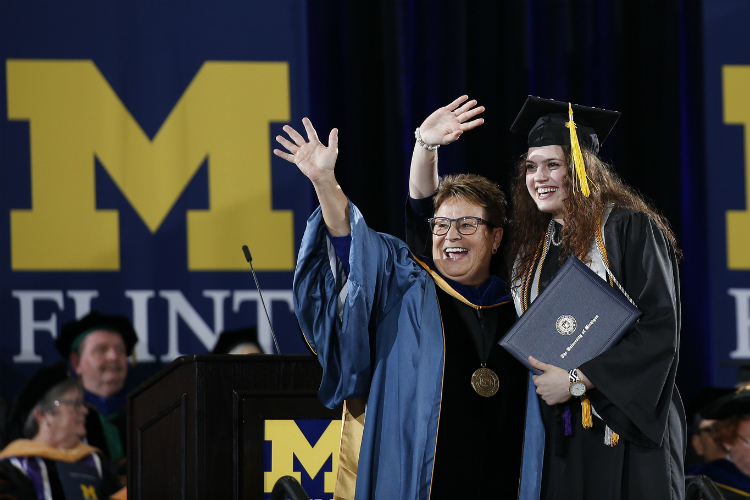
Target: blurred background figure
<point>51,461</point>
<point>702,447</point>
<point>743,376</point>
<point>731,432</point>
<point>97,347</point>
<point>240,341</point>
<point>3,422</point>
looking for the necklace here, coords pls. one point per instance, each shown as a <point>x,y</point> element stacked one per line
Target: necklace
<point>553,232</point>
<point>484,381</point>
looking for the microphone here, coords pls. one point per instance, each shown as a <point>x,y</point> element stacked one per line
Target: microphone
<point>249,258</point>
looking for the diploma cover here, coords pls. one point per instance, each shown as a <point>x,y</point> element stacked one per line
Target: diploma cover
<point>577,317</point>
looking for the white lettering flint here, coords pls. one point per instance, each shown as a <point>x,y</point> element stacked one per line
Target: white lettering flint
<point>177,305</point>
<point>742,308</point>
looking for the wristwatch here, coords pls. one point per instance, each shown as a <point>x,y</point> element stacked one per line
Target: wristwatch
<point>577,388</point>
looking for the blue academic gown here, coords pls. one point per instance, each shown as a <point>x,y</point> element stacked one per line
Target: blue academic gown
<point>398,369</point>
<point>383,342</point>
<point>725,474</point>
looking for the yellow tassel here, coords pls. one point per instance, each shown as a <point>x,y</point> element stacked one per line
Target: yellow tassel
<point>579,168</point>
<point>586,413</point>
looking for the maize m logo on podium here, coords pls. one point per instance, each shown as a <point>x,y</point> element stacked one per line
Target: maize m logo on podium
<point>76,119</point>
<point>306,445</point>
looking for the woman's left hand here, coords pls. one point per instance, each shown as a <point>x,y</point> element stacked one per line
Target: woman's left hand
<point>553,385</point>
<point>448,123</point>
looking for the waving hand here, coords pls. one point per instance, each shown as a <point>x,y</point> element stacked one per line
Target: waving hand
<point>317,162</point>
<point>314,159</point>
<point>448,123</point>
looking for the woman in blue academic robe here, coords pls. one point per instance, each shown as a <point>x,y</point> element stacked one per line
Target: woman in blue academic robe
<point>434,407</point>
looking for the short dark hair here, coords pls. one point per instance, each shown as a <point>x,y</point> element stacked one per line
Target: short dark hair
<point>477,190</point>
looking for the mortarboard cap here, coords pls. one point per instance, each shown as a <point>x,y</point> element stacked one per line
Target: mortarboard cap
<point>229,339</point>
<point>704,398</point>
<point>555,123</point>
<point>545,121</point>
<point>73,332</point>
<point>736,403</point>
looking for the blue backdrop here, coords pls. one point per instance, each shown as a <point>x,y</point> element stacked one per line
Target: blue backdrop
<point>135,155</point>
<point>135,148</point>
<point>727,114</point>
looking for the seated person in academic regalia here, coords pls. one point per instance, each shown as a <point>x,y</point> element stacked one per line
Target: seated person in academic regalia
<point>731,430</point>
<point>52,462</point>
<point>240,341</point>
<point>702,447</point>
<point>97,347</point>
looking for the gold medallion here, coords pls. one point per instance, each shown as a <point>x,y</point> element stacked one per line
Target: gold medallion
<point>485,382</point>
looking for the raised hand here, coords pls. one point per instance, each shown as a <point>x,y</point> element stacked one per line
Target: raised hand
<point>317,162</point>
<point>314,159</point>
<point>448,123</point>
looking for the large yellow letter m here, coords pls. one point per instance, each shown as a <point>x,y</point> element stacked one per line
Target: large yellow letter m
<point>88,492</point>
<point>222,118</point>
<point>287,441</point>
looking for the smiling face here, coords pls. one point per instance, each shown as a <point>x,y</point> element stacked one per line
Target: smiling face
<point>465,258</point>
<point>546,168</point>
<point>102,364</point>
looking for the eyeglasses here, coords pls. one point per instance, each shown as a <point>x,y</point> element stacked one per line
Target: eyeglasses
<point>707,429</point>
<point>465,225</point>
<point>73,403</point>
<point>743,438</point>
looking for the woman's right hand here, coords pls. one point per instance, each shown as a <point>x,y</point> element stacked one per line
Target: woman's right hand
<point>448,123</point>
<point>314,159</point>
<point>318,162</point>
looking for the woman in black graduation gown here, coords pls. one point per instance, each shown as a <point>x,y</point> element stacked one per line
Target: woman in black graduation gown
<point>632,443</point>
<point>569,202</point>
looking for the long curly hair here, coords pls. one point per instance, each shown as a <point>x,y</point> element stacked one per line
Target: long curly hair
<point>581,214</point>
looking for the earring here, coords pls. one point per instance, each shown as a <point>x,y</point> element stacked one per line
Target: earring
<point>494,250</point>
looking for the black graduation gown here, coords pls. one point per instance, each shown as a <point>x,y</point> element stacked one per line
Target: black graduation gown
<point>635,392</point>
<point>635,381</point>
<point>477,433</point>
<point>491,429</point>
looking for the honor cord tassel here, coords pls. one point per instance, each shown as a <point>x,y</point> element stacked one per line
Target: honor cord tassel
<point>579,168</point>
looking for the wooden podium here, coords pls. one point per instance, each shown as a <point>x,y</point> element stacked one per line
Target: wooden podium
<point>195,429</point>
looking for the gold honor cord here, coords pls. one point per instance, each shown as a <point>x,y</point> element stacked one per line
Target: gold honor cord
<point>579,167</point>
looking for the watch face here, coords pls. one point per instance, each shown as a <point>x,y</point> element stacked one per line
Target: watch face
<point>577,389</point>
